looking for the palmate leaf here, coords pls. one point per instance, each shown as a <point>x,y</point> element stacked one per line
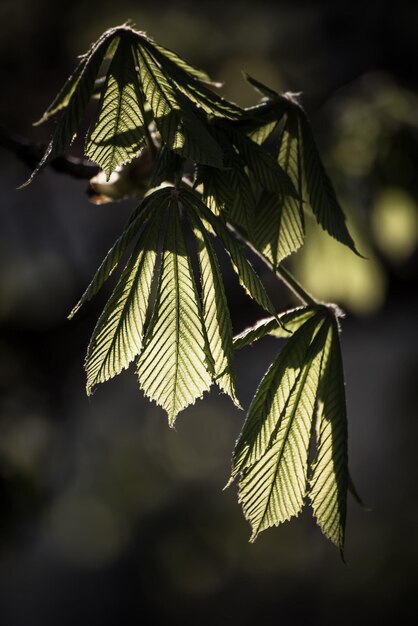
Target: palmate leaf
<point>174,368</point>
<point>74,99</point>
<point>215,312</point>
<point>290,321</point>
<point>117,337</point>
<point>329,479</point>
<point>117,135</point>
<point>300,159</point>
<point>112,258</point>
<point>180,127</point>
<point>272,452</point>
<point>246,274</point>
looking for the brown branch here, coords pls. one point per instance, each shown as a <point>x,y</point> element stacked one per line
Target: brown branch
<point>31,153</point>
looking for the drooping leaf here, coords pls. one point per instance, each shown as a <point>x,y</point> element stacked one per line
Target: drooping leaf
<point>117,337</point>
<point>320,191</point>
<point>246,274</point>
<point>329,480</point>
<point>262,89</point>
<point>178,61</point>
<point>64,96</point>
<point>215,312</point>
<point>192,86</point>
<point>112,258</point>
<point>279,229</point>
<point>262,132</point>
<point>167,163</point>
<point>173,368</point>
<point>263,166</point>
<point>75,100</point>
<point>272,452</point>
<point>290,322</point>
<point>117,135</point>
<point>180,127</point>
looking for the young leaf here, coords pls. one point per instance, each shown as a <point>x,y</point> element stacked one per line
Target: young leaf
<point>112,258</point>
<point>117,135</point>
<point>178,61</point>
<point>329,480</point>
<point>76,99</point>
<point>279,229</point>
<point>173,367</point>
<point>272,451</point>
<point>64,96</point>
<point>246,274</point>
<point>215,312</point>
<point>117,337</point>
<point>180,127</point>
<point>290,321</point>
<point>192,87</point>
<point>263,166</point>
<point>320,191</point>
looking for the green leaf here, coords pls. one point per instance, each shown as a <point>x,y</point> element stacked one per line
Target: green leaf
<point>193,88</point>
<point>118,135</point>
<point>290,321</point>
<point>329,480</point>
<point>112,258</point>
<point>320,191</point>
<point>246,274</point>
<point>65,94</point>
<point>215,312</point>
<point>279,229</point>
<point>180,127</point>
<point>262,132</point>
<point>272,452</point>
<point>179,62</point>
<point>173,367</point>
<point>263,166</point>
<point>117,337</point>
<point>76,101</point>
<point>262,89</point>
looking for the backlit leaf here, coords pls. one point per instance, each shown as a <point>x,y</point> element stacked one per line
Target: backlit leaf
<point>329,480</point>
<point>272,452</point>
<point>246,274</point>
<point>173,368</point>
<point>117,135</point>
<point>117,337</point>
<point>215,312</point>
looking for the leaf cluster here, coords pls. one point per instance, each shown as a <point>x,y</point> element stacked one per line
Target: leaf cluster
<point>238,176</point>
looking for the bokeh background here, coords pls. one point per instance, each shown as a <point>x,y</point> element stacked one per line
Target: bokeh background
<point>106,515</point>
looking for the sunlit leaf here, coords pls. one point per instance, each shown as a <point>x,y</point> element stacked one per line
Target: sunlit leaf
<point>328,483</point>
<point>215,312</point>
<point>117,337</point>
<point>173,369</point>
<point>272,452</point>
<point>75,100</point>
<point>320,191</point>
<point>112,258</point>
<point>278,228</point>
<point>180,127</point>
<point>246,274</point>
<point>117,135</point>
<point>290,321</point>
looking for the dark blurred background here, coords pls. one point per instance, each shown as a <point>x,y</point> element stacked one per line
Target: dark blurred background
<point>106,515</point>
